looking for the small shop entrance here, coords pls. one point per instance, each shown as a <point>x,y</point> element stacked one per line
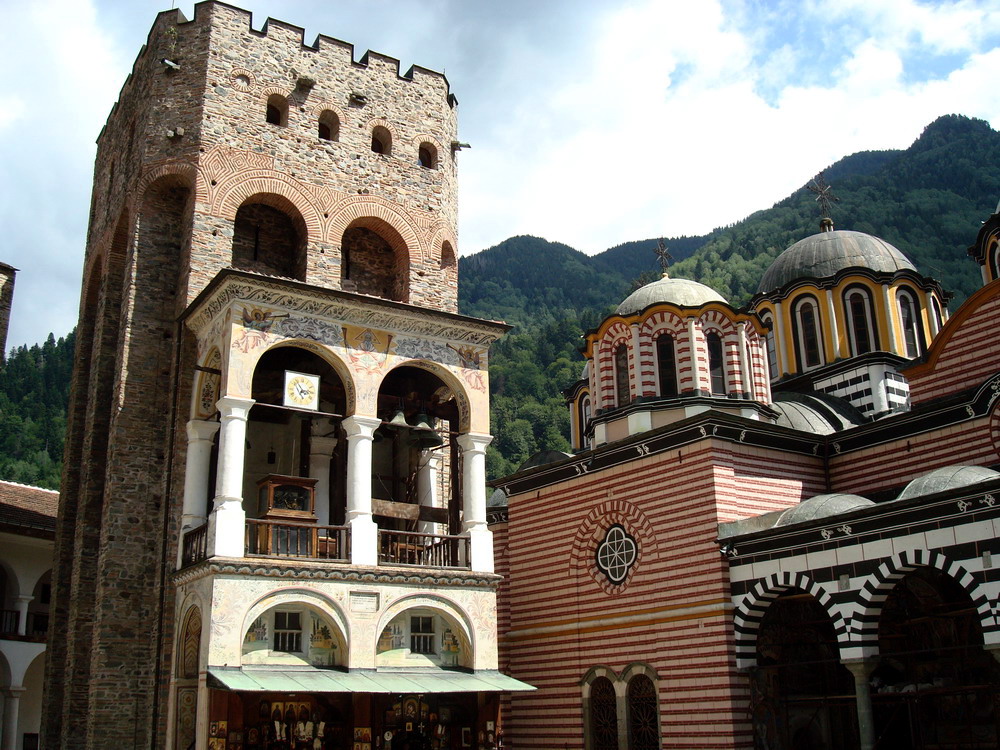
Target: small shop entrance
<point>351,721</point>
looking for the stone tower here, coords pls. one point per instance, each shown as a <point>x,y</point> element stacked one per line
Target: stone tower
<point>269,305</point>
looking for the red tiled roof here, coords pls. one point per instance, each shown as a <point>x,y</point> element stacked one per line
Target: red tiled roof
<point>28,507</point>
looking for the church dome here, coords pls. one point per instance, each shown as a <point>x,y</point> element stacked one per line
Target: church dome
<point>682,292</point>
<point>823,506</point>
<point>947,478</point>
<point>824,254</point>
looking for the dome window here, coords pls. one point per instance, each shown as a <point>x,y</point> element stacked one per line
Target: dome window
<point>666,365</point>
<point>276,112</point>
<point>859,322</point>
<point>716,365</point>
<point>908,321</point>
<point>808,336</point>
<point>621,375</point>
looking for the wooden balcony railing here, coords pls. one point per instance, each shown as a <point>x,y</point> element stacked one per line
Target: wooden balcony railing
<point>426,550</point>
<point>8,621</point>
<point>38,625</point>
<point>195,545</point>
<point>299,540</point>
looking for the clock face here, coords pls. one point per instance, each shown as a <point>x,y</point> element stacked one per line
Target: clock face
<point>301,390</point>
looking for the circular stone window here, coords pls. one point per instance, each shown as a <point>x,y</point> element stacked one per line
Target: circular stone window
<point>616,554</point>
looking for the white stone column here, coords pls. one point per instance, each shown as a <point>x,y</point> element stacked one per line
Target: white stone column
<point>890,315</point>
<point>364,533</point>
<point>637,366</point>
<point>200,436</point>
<point>227,523</point>
<point>11,706</point>
<point>320,455</point>
<point>474,500</point>
<point>21,605</point>
<point>781,353</point>
<point>861,671</point>
<point>427,488</point>
<point>746,370</point>
<point>834,329</point>
<point>693,354</point>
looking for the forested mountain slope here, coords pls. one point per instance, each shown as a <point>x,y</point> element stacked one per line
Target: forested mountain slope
<point>927,200</point>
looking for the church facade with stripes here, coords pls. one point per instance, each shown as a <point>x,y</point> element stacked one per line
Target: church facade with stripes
<point>777,527</point>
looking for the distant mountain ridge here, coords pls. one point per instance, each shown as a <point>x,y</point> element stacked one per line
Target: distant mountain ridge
<point>927,200</point>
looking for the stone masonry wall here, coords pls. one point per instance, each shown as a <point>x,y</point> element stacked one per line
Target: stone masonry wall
<point>185,146</point>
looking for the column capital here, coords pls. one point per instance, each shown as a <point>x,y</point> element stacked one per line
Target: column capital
<point>201,429</point>
<point>474,442</point>
<point>360,426</point>
<point>234,407</point>
<point>862,667</point>
<point>13,692</point>
<point>24,599</point>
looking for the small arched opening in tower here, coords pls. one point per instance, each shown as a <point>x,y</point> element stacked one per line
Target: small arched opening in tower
<point>268,240</point>
<point>381,141</point>
<point>276,111</point>
<point>329,126</point>
<point>427,156</point>
<point>375,261</point>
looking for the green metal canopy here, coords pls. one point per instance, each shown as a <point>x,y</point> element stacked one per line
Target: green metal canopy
<point>314,680</point>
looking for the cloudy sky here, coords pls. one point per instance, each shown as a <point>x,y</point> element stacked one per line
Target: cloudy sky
<point>592,122</point>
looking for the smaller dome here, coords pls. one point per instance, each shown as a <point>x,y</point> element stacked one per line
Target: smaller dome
<point>585,374</point>
<point>823,506</point>
<point>682,292</point>
<point>497,500</point>
<point>824,254</point>
<point>818,413</point>
<point>541,458</point>
<point>947,478</point>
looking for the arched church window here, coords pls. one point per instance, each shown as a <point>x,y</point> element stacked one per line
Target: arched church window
<point>810,348</point>
<point>938,314</point>
<point>908,321</point>
<point>716,365</point>
<point>666,364</point>
<point>621,375</point>
<point>603,715</point>
<point>643,714</point>
<point>860,321</point>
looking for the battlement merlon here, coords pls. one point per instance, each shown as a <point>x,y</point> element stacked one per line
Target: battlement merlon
<point>329,50</point>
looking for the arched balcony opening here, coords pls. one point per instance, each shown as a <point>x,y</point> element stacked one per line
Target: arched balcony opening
<point>294,634</point>
<point>295,458</point>
<point>423,637</point>
<point>933,677</point>
<point>806,694</point>
<point>38,609</point>
<point>416,471</point>
<point>269,240</point>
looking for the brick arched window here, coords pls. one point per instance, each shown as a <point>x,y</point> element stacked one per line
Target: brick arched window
<point>643,714</point>
<point>381,141</point>
<point>276,112</point>
<point>603,728</point>
<point>427,156</point>
<point>328,126</point>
